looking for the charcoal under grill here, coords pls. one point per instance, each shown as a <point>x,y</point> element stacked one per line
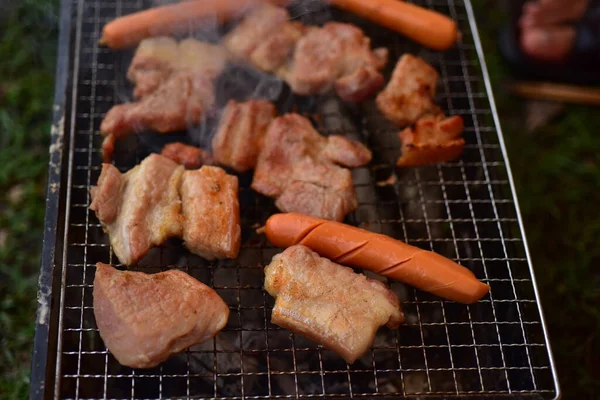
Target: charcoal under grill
<point>465,210</point>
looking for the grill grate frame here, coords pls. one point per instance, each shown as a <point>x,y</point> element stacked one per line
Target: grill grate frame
<point>464,210</point>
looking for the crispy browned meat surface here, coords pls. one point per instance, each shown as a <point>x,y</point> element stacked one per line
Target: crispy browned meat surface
<point>431,140</point>
<point>211,212</point>
<point>158,199</point>
<point>173,85</point>
<point>241,131</point>
<point>189,156</point>
<point>297,167</point>
<point>328,303</point>
<point>143,319</point>
<point>312,60</point>
<point>139,209</point>
<point>410,92</point>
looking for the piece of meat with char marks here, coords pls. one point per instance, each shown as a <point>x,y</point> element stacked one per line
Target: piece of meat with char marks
<point>143,319</point>
<point>410,93</point>
<point>141,208</point>
<point>211,212</point>
<point>299,168</point>
<point>241,131</point>
<point>329,303</point>
<point>189,156</point>
<point>431,140</point>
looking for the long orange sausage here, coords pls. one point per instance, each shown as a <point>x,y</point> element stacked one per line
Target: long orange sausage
<point>131,29</point>
<point>424,26</point>
<point>349,245</point>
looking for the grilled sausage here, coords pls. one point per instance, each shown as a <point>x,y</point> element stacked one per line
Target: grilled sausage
<point>392,258</point>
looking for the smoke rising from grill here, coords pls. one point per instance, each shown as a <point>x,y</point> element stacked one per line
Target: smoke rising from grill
<point>239,80</point>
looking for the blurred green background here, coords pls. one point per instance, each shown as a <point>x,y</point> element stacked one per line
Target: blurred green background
<point>555,169</point>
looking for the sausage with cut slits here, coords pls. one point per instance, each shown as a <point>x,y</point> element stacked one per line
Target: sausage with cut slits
<point>348,245</point>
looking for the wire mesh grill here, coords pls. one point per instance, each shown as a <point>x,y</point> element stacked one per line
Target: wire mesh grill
<point>463,210</point>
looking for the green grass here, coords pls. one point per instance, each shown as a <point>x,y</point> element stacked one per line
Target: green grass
<point>556,173</point>
<point>27,51</point>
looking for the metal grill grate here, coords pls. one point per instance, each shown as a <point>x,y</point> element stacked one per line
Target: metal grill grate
<point>464,210</point>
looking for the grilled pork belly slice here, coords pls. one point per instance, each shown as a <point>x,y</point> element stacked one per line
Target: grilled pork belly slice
<point>328,303</point>
<point>299,168</point>
<point>410,92</point>
<point>211,213</point>
<point>241,131</point>
<point>144,319</point>
<point>141,208</point>
<point>158,199</point>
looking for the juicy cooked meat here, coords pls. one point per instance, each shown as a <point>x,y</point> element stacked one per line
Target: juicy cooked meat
<point>139,209</point>
<point>312,60</point>
<point>431,140</point>
<point>348,153</point>
<point>274,52</point>
<point>241,131</point>
<point>189,156</point>
<point>158,199</point>
<point>328,303</point>
<point>143,319</point>
<point>319,189</point>
<point>410,93</point>
<point>337,56</point>
<point>173,85</point>
<point>297,167</point>
<point>211,212</point>
<point>254,29</point>
<point>181,101</point>
<point>157,58</point>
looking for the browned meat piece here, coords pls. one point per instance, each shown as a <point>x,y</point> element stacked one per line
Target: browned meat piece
<point>189,156</point>
<point>157,58</point>
<point>337,55</point>
<point>346,152</point>
<point>211,212</point>
<point>410,93</point>
<point>144,319</point>
<point>174,85</point>
<point>311,60</point>
<point>277,49</point>
<point>431,140</point>
<point>108,148</point>
<point>317,61</point>
<point>139,209</point>
<point>241,131</point>
<point>256,27</point>
<point>359,85</point>
<point>297,168</point>
<point>310,195</point>
<point>328,303</point>
<point>183,100</point>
